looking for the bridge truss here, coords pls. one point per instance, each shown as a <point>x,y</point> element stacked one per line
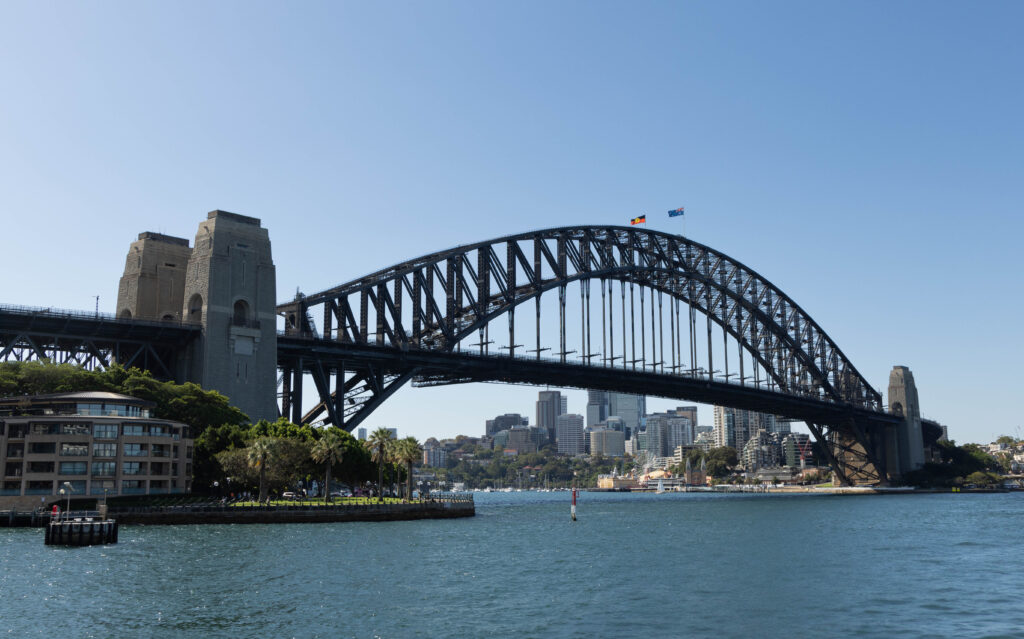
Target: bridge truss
<point>93,340</point>
<point>627,309</point>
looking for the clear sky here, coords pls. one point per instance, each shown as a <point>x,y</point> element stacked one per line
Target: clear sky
<point>866,157</point>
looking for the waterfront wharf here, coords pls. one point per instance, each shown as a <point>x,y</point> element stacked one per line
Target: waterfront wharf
<point>446,507</point>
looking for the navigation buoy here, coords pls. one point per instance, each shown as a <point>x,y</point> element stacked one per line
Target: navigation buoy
<point>573,511</point>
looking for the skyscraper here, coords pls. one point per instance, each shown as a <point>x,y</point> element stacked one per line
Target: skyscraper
<point>597,407</point>
<point>734,426</point>
<point>569,429</point>
<point>549,403</point>
<point>629,407</point>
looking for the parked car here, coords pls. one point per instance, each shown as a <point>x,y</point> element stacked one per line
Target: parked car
<point>289,495</point>
<point>341,493</point>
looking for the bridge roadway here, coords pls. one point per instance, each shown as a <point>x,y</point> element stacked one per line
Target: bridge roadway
<point>93,339</point>
<point>429,367</point>
<point>98,339</point>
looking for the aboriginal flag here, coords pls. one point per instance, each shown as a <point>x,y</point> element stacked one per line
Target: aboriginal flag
<point>638,220</point>
<point>676,212</point>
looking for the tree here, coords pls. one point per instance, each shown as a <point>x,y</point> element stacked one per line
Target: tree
<point>260,453</point>
<point>328,451</point>
<point>380,444</point>
<point>981,478</point>
<point>408,451</point>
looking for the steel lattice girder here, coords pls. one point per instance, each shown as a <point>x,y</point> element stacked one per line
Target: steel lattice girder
<point>451,298</point>
<point>92,341</point>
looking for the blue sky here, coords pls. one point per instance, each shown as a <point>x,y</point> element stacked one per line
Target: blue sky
<point>864,156</point>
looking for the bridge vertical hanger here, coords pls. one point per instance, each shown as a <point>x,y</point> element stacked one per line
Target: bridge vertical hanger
<point>643,333</point>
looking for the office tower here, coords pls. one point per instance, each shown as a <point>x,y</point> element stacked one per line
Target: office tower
<point>362,434</point>
<point>569,434</point>
<point>563,407</point>
<point>504,422</point>
<point>734,426</point>
<point>548,405</point>
<point>597,407</point>
<point>629,407</point>
<point>607,442</point>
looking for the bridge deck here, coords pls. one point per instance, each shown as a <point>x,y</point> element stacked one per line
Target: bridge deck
<point>468,367</point>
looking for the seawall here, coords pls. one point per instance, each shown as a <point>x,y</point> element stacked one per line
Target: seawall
<point>441,509</point>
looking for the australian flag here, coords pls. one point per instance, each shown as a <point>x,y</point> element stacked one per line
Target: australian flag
<point>676,212</point>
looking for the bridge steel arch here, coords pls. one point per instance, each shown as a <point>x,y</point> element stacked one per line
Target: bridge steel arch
<point>435,303</point>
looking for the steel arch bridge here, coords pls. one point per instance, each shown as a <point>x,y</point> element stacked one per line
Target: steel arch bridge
<point>665,313</point>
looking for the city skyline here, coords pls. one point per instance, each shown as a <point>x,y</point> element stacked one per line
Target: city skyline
<point>846,152</point>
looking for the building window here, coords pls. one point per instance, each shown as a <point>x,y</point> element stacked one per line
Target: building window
<point>135,450</point>
<point>90,409</point>
<point>18,431</point>
<point>104,469</point>
<point>133,468</point>
<point>159,450</point>
<point>134,430</point>
<point>11,488</point>
<point>13,469</point>
<point>42,448</point>
<point>80,428</point>
<point>240,315</point>
<point>15,450</point>
<point>104,431</point>
<point>40,466</point>
<point>102,487</point>
<point>77,486</point>
<point>74,450</point>
<point>195,309</point>
<point>133,487</point>
<point>104,450</point>
<point>39,488</point>
<point>44,429</point>
<point>73,468</point>
<point>157,431</point>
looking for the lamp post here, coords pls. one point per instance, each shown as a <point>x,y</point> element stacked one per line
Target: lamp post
<point>61,492</point>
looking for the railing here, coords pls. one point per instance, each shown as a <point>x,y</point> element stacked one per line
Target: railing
<point>85,315</point>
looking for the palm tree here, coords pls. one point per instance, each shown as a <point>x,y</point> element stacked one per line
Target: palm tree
<point>380,443</point>
<point>259,455</point>
<point>408,451</point>
<point>329,450</point>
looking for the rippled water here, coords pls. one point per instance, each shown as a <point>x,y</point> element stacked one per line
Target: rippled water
<point>674,565</point>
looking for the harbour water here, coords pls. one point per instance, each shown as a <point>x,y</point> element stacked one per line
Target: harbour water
<point>672,565</point>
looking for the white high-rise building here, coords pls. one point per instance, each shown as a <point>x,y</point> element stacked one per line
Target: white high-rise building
<point>569,434</point>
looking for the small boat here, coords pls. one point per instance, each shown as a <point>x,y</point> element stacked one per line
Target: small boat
<point>661,486</point>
